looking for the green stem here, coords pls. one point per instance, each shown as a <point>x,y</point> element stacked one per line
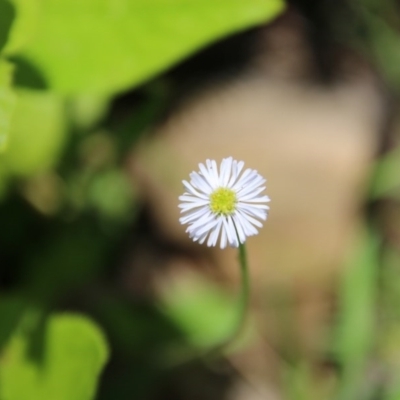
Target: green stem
<point>242,305</point>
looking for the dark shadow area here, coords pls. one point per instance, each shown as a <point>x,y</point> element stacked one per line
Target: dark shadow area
<point>27,75</point>
<point>7,15</point>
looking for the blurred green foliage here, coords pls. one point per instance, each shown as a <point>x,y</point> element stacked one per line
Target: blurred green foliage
<point>356,330</point>
<point>203,312</point>
<point>65,200</point>
<point>66,206</point>
<point>37,133</point>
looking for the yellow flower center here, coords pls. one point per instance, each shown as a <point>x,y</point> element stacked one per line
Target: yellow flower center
<point>223,201</point>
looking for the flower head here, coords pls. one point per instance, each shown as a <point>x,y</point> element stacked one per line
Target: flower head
<point>225,203</point>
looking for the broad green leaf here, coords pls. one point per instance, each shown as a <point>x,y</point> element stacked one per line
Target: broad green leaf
<point>37,133</point>
<point>75,352</point>
<point>7,101</point>
<point>108,46</point>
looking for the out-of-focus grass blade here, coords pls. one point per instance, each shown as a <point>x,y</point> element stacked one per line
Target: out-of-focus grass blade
<point>357,315</point>
<point>389,340</point>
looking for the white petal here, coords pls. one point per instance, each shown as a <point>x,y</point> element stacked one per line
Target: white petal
<point>222,171</point>
<point>190,198</point>
<point>225,175</point>
<point>213,170</point>
<point>261,199</point>
<point>235,239</point>
<point>224,238</point>
<point>254,205</point>
<point>203,238</point>
<point>212,240</point>
<point>205,227</point>
<point>239,184</point>
<point>252,195</point>
<point>249,182</point>
<point>190,206</point>
<point>252,220</point>
<point>227,230</point>
<point>239,228</point>
<point>236,169</point>
<point>242,222</point>
<point>252,210</point>
<point>248,228</point>
<point>200,183</point>
<point>208,176</point>
<point>193,216</point>
<point>251,185</point>
<point>193,191</point>
<point>201,222</point>
<point>230,231</point>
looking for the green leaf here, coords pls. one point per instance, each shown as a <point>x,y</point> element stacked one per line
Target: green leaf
<point>7,101</point>
<point>75,352</point>
<point>37,134</point>
<point>109,46</point>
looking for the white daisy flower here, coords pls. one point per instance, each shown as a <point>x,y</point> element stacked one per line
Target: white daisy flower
<point>226,204</point>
